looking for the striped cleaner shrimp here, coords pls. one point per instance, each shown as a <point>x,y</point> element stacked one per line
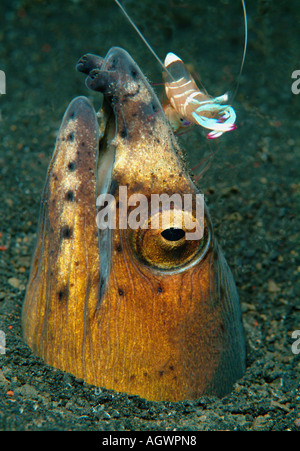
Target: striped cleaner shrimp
<point>187,103</point>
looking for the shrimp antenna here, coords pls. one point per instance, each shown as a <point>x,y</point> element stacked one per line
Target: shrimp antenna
<point>144,39</point>
<point>245,48</point>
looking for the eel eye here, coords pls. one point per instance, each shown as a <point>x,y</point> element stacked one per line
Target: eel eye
<point>173,234</point>
<point>165,242</point>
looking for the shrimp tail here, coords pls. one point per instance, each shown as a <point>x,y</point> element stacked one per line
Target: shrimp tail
<point>222,120</point>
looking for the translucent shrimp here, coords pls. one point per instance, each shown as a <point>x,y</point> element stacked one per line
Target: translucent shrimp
<point>193,105</point>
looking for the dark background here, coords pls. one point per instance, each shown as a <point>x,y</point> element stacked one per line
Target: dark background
<point>252,188</point>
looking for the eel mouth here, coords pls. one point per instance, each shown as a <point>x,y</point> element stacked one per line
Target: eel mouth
<point>91,65</point>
